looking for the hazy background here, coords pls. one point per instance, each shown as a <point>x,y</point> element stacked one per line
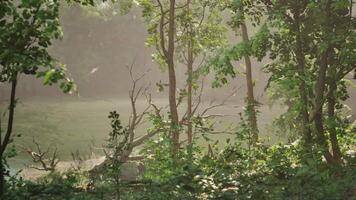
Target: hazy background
<point>96,52</point>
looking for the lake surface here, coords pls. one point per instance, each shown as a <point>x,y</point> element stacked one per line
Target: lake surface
<point>73,124</point>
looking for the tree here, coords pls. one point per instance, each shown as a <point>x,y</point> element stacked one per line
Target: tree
<point>242,10</point>
<point>197,32</point>
<point>335,63</point>
<point>290,49</point>
<point>27,29</point>
<point>239,8</point>
<point>190,62</point>
<point>194,34</point>
<point>200,33</point>
<point>314,41</point>
<point>161,19</point>
<point>299,37</point>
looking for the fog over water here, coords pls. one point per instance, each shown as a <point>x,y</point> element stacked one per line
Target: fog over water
<point>97,52</point>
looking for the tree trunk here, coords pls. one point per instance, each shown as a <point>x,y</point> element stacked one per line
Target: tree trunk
<point>5,142</point>
<point>304,114</point>
<point>190,80</point>
<point>319,102</point>
<point>331,98</point>
<point>331,115</point>
<point>250,94</point>
<point>172,78</point>
<point>319,96</point>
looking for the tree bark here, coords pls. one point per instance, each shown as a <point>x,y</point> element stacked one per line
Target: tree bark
<point>172,78</point>
<point>5,142</point>
<point>319,102</point>
<point>331,115</point>
<point>250,94</point>
<point>319,97</point>
<point>190,80</point>
<point>331,98</point>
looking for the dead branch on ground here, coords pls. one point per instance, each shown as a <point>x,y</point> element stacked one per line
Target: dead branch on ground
<point>45,160</point>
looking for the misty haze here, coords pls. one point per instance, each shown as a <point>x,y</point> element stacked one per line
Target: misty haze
<point>167,99</point>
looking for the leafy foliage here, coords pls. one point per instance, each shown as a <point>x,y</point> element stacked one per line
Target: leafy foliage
<point>244,172</point>
<point>27,30</point>
<point>117,143</point>
<point>311,46</point>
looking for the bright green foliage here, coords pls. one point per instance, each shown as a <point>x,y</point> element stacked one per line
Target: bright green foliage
<point>291,33</point>
<point>236,172</point>
<point>169,177</point>
<point>160,167</point>
<point>240,172</point>
<point>243,11</point>
<point>318,32</point>
<point>295,36</point>
<point>271,173</point>
<point>27,29</point>
<point>222,64</point>
<point>117,143</point>
<point>208,31</point>
<point>56,186</point>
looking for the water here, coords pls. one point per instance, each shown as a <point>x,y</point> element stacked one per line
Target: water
<point>72,124</point>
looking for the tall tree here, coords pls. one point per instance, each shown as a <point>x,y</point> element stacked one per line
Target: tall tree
<point>190,62</point>
<point>335,63</point>
<point>321,47</point>
<point>242,11</point>
<point>250,94</point>
<point>161,19</point>
<point>197,31</point>
<point>199,34</point>
<point>320,85</point>
<point>294,21</point>
<point>169,56</point>
<point>251,102</point>
<point>27,29</point>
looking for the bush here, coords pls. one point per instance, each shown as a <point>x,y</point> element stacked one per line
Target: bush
<point>239,173</point>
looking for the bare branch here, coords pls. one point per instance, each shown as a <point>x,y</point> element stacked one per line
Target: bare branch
<point>137,118</point>
<point>40,157</point>
<point>213,106</point>
<point>198,101</point>
<point>142,139</point>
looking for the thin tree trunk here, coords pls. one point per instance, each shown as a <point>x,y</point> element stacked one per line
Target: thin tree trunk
<point>190,104</point>
<point>172,78</point>
<point>319,94</point>
<point>250,94</point>
<point>319,102</point>
<point>331,115</point>
<point>5,142</point>
<point>190,81</point>
<point>331,98</point>
<point>304,114</point>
